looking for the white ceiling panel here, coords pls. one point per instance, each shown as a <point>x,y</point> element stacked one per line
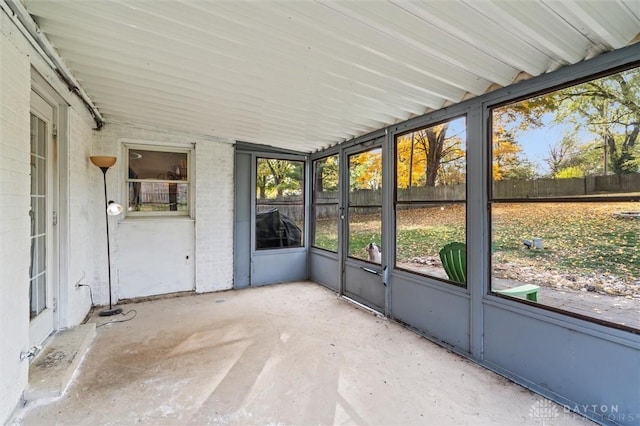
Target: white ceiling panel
<point>305,75</point>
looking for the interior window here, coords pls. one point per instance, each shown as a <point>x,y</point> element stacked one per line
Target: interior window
<point>157,181</point>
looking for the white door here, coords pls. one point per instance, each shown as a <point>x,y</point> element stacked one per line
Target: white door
<point>42,270</point>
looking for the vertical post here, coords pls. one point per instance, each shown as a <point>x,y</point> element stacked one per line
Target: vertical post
<point>478,238</point>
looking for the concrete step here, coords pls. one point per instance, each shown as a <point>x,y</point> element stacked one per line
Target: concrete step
<point>52,369</point>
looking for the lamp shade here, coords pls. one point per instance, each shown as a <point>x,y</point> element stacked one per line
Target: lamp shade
<point>103,160</point>
<point>114,209</point>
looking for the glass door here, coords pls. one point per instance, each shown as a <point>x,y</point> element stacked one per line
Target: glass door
<point>42,267</point>
<point>362,258</point>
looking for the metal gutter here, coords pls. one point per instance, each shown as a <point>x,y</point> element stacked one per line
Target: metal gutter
<point>17,12</point>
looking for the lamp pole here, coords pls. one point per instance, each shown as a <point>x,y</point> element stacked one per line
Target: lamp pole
<point>104,163</point>
<point>111,310</point>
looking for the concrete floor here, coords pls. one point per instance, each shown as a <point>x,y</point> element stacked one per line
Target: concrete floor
<point>285,354</point>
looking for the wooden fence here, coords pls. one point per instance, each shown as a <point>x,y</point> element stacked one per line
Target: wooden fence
<point>507,189</point>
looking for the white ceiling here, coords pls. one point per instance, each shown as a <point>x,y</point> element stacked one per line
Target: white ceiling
<point>305,75</point>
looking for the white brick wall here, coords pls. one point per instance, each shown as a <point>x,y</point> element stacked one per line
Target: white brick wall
<point>80,193</point>
<point>212,164</point>
<point>14,225</point>
<point>214,216</point>
<point>17,58</point>
<point>83,238</point>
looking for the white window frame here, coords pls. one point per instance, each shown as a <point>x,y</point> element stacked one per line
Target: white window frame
<point>127,147</point>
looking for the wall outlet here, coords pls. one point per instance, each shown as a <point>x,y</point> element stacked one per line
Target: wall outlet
<point>79,282</point>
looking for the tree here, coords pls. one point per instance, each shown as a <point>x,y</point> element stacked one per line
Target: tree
<point>569,172</point>
<point>277,178</point>
<point>327,174</point>
<point>570,158</point>
<point>507,156</point>
<point>365,170</point>
<point>430,157</point>
<point>431,141</point>
<point>610,108</point>
<point>408,170</point>
<point>562,154</point>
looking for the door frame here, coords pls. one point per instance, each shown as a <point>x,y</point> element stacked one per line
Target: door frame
<point>370,274</point>
<point>47,321</point>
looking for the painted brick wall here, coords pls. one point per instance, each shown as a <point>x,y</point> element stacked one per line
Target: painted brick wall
<point>83,208</point>
<point>15,86</point>
<point>214,216</point>
<point>81,193</point>
<point>212,164</point>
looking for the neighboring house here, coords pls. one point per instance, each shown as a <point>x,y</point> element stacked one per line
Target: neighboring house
<point>196,236</point>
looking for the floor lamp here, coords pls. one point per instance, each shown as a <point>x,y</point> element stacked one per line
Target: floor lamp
<point>111,209</point>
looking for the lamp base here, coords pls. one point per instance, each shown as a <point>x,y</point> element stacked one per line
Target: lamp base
<point>109,312</point>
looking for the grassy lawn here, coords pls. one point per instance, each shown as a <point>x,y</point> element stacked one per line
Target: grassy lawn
<point>327,234</point>
<point>424,231</point>
<point>580,239</point>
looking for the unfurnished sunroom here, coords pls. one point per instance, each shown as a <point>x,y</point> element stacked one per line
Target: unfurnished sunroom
<point>468,169</point>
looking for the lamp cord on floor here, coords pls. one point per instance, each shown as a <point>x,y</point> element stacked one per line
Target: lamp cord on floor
<point>135,314</point>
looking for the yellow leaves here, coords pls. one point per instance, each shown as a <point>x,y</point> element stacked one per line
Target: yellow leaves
<point>425,153</point>
<point>570,172</point>
<point>458,152</point>
<point>505,154</point>
<point>410,163</point>
<point>365,169</point>
<point>497,173</point>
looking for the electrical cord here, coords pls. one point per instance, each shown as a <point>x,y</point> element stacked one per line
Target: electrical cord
<point>135,314</point>
<point>90,292</point>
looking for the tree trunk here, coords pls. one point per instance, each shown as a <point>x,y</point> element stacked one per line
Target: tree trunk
<point>413,139</point>
<point>276,178</point>
<point>262,188</point>
<point>435,137</point>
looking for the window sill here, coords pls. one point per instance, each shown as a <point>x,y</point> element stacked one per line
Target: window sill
<point>159,218</point>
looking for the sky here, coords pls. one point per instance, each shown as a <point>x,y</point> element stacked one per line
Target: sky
<point>536,142</point>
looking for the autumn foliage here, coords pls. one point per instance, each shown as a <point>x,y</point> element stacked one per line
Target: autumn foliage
<point>431,156</point>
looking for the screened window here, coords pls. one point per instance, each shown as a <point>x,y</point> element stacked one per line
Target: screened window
<point>279,203</point>
<point>157,181</point>
<point>430,196</point>
<point>565,216</point>
<point>325,203</point>
<point>364,206</point>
